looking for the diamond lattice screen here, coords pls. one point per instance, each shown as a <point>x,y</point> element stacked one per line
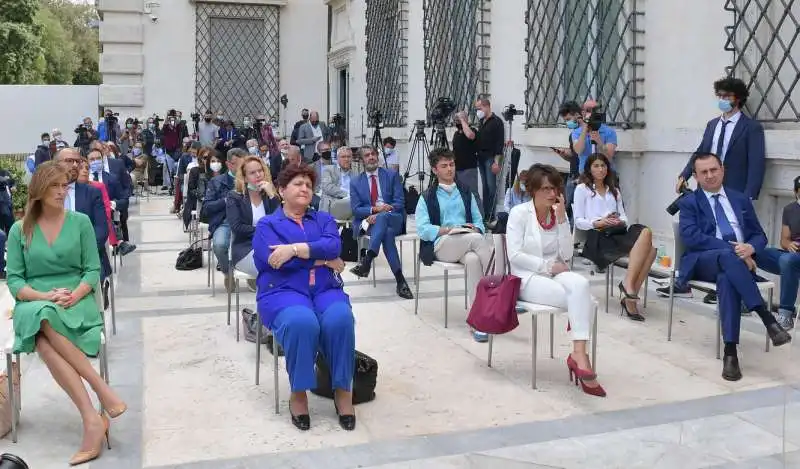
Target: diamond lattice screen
<point>579,49</point>
<point>456,51</point>
<point>387,59</point>
<point>237,64</point>
<point>766,51</point>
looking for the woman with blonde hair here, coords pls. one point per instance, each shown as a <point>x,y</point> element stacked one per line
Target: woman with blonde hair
<point>53,269</point>
<point>254,196</point>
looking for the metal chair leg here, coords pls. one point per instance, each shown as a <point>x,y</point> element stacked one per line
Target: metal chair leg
<point>489,358</point>
<point>593,358</point>
<point>646,283</point>
<point>534,343</point>
<point>769,306</point>
<point>258,346</point>
<point>445,298</point>
<point>719,332</point>
<point>416,287</point>
<point>466,291</point>
<point>275,377</point>
<point>229,307</point>
<point>671,305</point>
<point>236,316</point>
<point>608,285</point>
<point>112,295</point>
<point>552,333</point>
<point>12,397</point>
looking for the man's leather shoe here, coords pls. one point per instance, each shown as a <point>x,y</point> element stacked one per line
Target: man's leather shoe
<point>730,368</point>
<point>778,334</point>
<point>404,292</point>
<point>361,269</point>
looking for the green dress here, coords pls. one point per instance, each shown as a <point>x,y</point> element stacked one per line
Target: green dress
<point>71,260</point>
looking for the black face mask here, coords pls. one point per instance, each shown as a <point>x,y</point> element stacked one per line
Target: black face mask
<point>208,119</point>
<point>305,117</point>
<point>326,154</point>
<point>314,122</point>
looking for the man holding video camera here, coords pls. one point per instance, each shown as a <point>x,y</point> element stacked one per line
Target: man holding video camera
<point>590,134</point>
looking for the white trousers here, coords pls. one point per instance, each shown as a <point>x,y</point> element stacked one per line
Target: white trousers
<point>567,290</point>
<point>473,250</point>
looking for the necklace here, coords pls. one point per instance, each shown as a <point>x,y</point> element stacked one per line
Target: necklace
<point>548,225</point>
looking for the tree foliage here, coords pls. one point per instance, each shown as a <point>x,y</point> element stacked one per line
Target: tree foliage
<point>48,41</point>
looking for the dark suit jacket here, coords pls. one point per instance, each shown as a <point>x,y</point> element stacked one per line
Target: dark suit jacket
<point>89,201</point>
<point>116,192</point>
<point>239,213</point>
<point>745,161</point>
<point>275,165</point>
<point>698,227</point>
<point>118,168</point>
<point>391,191</point>
<point>214,201</point>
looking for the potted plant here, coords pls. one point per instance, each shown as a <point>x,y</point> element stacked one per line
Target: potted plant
<point>19,198</point>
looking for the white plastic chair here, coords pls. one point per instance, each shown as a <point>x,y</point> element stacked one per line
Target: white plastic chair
<point>8,350</point>
<point>238,275</point>
<point>705,287</point>
<point>447,267</point>
<point>535,310</point>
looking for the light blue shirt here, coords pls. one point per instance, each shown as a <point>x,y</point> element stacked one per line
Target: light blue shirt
<point>607,135</point>
<point>344,184</point>
<point>453,213</point>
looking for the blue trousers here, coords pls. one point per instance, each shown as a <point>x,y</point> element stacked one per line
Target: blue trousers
<point>382,233</point>
<point>303,332</point>
<point>489,181</point>
<point>735,285</point>
<point>221,243</point>
<point>787,265</point>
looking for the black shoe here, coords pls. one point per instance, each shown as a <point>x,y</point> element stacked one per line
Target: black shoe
<point>710,299</point>
<point>126,248</point>
<point>633,316</point>
<point>302,422</point>
<point>404,292</point>
<point>348,422</point>
<point>778,334</point>
<point>730,368</point>
<point>106,287</point>
<point>677,292</point>
<point>3,275</point>
<point>362,269</point>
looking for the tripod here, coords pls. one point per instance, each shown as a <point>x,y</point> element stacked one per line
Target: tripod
<point>419,151</point>
<point>439,136</point>
<point>506,171</point>
<point>377,143</point>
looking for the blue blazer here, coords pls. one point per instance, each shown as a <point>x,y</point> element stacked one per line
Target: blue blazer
<point>745,161</point>
<point>391,192</point>
<point>115,191</point>
<point>118,168</point>
<point>214,202</point>
<point>89,201</point>
<point>698,228</point>
<point>239,213</point>
<point>289,285</point>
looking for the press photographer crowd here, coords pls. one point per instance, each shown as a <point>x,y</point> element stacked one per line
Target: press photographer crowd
<point>286,211</point>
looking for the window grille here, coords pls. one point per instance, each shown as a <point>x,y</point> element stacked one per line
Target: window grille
<point>387,60</point>
<point>457,51</point>
<point>580,49</point>
<point>237,64</point>
<point>764,42</point>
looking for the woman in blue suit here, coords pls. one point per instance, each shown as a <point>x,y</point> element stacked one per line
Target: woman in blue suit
<point>300,296</point>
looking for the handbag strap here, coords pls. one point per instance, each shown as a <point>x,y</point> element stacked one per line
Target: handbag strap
<point>490,265</point>
<point>493,259</point>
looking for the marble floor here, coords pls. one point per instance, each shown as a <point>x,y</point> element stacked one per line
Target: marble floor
<point>193,402</point>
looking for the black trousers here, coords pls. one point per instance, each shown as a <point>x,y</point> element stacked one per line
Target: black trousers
<point>123,224</point>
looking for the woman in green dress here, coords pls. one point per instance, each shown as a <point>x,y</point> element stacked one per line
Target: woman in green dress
<point>53,269</point>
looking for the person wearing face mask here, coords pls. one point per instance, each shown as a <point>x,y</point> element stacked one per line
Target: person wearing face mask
<point>336,180</point>
<point>739,142</point>
<point>58,138</point>
<point>140,162</point>
<point>193,193</point>
<point>489,142</point>
<point>42,153</point>
<point>295,131</point>
<point>228,137</point>
<point>207,130</point>
<point>148,137</point>
<point>450,226</point>
<point>214,209</point>
<point>86,137</point>
<point>310,135</point>
<point>390,152</point>
<point>515,195</point>
<point>248,131</point>
<point>276,160</point>
<point>378,204</point>
<point>252,147</point>
<point>267,136</point>
<point>189,157</point>
<point>171,142</point>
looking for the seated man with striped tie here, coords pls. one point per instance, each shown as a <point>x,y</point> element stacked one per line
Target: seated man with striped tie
<point>722,238</point>
<point>377,199</point>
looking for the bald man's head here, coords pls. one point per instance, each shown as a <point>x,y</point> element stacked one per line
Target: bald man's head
<point>71,159</point>
<point>294,155</point>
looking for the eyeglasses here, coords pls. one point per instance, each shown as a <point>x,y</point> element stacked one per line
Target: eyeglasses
<point>72,161</point>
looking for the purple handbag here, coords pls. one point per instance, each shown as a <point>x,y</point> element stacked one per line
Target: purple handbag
<point>494,308</point>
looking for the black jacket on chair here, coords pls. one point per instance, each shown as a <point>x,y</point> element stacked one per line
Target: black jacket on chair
<point>239,213</point>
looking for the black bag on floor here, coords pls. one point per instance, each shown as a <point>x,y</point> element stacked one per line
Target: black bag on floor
<point>365,378</point>
<point>349,246</point>
<point>191,258</point>
<point>411,197</point>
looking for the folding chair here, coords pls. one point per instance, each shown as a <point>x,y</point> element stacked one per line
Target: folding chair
<point>274,361</point>
<point>447,266</point>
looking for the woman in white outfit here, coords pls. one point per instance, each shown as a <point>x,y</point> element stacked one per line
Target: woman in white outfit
<point>539,247</point>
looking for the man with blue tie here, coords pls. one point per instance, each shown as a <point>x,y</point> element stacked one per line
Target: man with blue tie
<point>116,191</point>
<point>722,236</point>
<point>376,196</point>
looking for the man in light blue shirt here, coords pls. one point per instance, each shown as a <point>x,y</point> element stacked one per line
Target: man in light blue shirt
<point>450,225</point>
<point>604,139</point>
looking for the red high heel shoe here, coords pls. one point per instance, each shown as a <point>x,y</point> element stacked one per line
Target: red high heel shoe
<point>597,391</point>
<point>576,373</point>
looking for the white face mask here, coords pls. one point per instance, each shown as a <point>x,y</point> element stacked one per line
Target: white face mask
<point>284,151</point>
<point>480,114</point>
<point>216,166</point>
<point>448,187</point>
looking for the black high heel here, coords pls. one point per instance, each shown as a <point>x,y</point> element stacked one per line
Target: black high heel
<point>634,316</point>
<point>348,422</point>
<point>302,422</point>
<point>624,292</point>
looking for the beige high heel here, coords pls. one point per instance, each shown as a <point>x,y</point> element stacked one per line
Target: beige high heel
<point>117,411</point>
<point>82,457</point>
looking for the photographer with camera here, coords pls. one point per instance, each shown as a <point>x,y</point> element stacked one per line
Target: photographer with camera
<point>86,135</point>
<point>207,130</point>
<point>108,129</point>
<point>489,143</point>
<point>296,130</point>
<point>590,130</point>
<point>465,151</point>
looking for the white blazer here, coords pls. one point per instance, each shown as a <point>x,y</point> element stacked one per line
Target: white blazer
<point>524,243</point>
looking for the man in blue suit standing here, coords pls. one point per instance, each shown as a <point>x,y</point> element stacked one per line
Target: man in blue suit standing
<point>722,237</point>
<point>376,196</point>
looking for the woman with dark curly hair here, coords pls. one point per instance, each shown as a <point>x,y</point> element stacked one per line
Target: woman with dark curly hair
<point>598,210</point>
<point>300,296</point>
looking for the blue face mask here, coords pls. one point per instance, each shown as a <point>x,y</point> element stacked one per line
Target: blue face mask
<point>253,150</point>
<point>725,105</point>
<point>571,124</point>
<point>252,187</point>
<point>96,166</point>
<point>137,151</point>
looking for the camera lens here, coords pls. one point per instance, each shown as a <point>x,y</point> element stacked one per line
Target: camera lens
<point>9,461</point>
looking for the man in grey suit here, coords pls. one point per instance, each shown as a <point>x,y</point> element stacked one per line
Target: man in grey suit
<point>310,134</point>
<point>336,185</point>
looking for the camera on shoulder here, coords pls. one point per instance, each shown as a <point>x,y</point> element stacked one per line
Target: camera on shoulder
<point>596,118</point>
